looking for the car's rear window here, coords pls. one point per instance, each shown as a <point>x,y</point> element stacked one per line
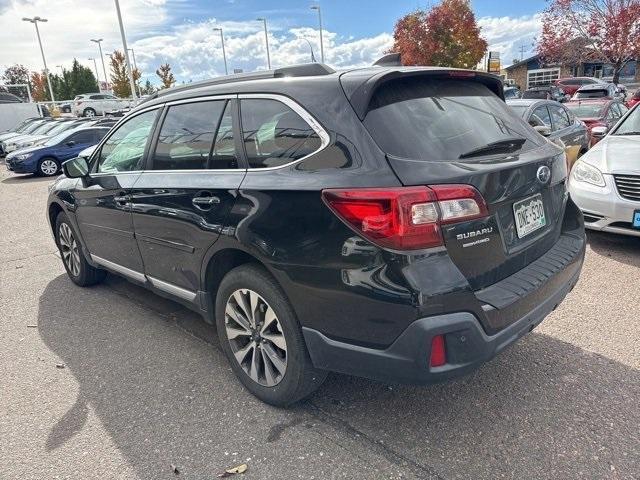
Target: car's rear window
<point>439,120</point>
<point>586,110</point>
<point>599,93</point>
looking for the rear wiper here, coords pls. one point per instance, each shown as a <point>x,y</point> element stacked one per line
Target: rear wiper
<point>501,146</point>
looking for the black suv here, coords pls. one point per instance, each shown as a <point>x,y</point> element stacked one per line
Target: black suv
<point>400,224</point>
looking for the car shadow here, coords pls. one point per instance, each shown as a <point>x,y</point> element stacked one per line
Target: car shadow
<point>542,409</point>
<point>621,248</point>
<point>28,178</point>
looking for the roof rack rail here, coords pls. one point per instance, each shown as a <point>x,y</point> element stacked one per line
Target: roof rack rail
<point>392,59</point>
<point>302,70</point>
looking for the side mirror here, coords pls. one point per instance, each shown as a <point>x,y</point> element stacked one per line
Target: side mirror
<point>70,143</point>
<point>599,132</point>
<point>542,130</point>
<point>76,167</point>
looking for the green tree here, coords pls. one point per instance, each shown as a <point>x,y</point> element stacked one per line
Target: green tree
<point>147,88</point>
<point>76,81</point>
<point>166,77</point>
<point>16,74</point>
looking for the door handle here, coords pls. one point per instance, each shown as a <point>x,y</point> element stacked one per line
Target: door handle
<point>205,202</point>
<point>122,198</point>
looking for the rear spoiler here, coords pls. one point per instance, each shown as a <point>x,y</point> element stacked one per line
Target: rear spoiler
<point>359,91</point>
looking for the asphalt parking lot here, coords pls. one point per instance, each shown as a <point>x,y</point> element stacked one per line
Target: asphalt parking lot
<point>116,382</point>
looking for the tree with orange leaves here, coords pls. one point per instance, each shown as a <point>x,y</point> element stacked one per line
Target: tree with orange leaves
<point>447,36</point>
<point>598,30</point>
<point>39,90</point>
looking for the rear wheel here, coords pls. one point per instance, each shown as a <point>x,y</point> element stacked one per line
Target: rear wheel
<point>89,112</point>
<point>262,339</point>
<point>48,167</point>
<point>73,259</point>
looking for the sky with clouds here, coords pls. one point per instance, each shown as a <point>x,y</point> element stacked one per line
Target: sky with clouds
<point>356,32</point>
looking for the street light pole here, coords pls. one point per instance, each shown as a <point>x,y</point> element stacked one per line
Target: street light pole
<point>35,21</point>
<point>317,7</point>
<point>95,66</point>
<point>266,41</point>
<point>126,52</point>
<point>224,54</point>
<point>104,70</point>
<point>135,64</point>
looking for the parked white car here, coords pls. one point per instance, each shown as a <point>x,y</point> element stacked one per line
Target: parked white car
<point>605,181</point>
<point>92,104</point>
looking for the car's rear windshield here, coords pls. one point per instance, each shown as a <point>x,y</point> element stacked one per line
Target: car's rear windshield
<point>441,119</point>
<point>599,93</point>
<point>586,110</point>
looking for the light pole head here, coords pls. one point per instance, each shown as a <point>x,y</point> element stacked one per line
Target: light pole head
<point>40,19</point>
<point>96,41</point>
<point>315,7</point>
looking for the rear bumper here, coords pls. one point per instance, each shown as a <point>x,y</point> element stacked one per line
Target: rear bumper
<point>468,346</point>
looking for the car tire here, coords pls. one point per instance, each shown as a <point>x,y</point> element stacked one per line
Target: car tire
<point>292,376</point>
<point>48,167</point>
<point>75,263</point>
<point>89,112</point>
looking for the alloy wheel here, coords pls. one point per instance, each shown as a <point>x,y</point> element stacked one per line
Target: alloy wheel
<point>69,249</point>
<point>256,337</point>
<point>49,167</point>
<point>89,113</point>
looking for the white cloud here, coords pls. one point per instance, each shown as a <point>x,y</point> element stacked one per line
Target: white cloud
<point>158,35</point>
<point>507,34</point>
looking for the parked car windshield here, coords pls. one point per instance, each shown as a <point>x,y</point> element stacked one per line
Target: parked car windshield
<point>32,128</point>
<point>630,125</point>
<point>586,110</point>
<point>435,119</point>
<point>536,94</point>
<point>59,138</point>
<point>60,128</point>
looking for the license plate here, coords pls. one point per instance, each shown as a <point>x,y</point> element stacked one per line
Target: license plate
<point>529,215</point>
<point>635,223</point>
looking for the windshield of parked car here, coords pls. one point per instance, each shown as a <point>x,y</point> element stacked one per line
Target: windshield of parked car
<point>630,125</point>
<point>537,94</point>
<point>60,128</point>
<point>59,138</point>
<point>32,128</point>
<point>436,119</point>
<point>586,110</point>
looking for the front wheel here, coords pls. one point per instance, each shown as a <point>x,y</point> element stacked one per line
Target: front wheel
<point>73,259</point>
<point>48,167</point>
<point>262,339</point>
<point>89,112</point>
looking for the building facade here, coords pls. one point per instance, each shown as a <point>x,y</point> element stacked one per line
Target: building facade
<point>531,72</point>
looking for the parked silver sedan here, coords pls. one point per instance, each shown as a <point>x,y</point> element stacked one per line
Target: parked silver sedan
<point>605,182</point>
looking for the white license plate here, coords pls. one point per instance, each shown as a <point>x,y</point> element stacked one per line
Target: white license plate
<point>529,215</point>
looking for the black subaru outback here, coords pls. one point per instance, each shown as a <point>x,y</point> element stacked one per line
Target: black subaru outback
<point>394,223</point>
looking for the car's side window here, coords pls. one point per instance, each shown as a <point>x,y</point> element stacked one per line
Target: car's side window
<point>186,136</point>
<point>274,134</point>
<point>559,116</point>
<point>124,149</point>
<point>85,136</point>
<point>540,117</point>
<point>223,154</point>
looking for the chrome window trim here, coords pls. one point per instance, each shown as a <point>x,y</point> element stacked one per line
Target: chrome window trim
<point>306,116</point>
<point>106,137</point>
<point>296,107</point>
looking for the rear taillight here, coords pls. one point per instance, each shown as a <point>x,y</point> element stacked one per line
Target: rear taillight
<point>405,218</point>
<point>438,356</point>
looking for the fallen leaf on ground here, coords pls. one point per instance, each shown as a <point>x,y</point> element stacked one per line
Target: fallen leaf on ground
<point>174,469</point>
<point>59,365</point>
<point>233,471</point>
<point>32,326</point>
